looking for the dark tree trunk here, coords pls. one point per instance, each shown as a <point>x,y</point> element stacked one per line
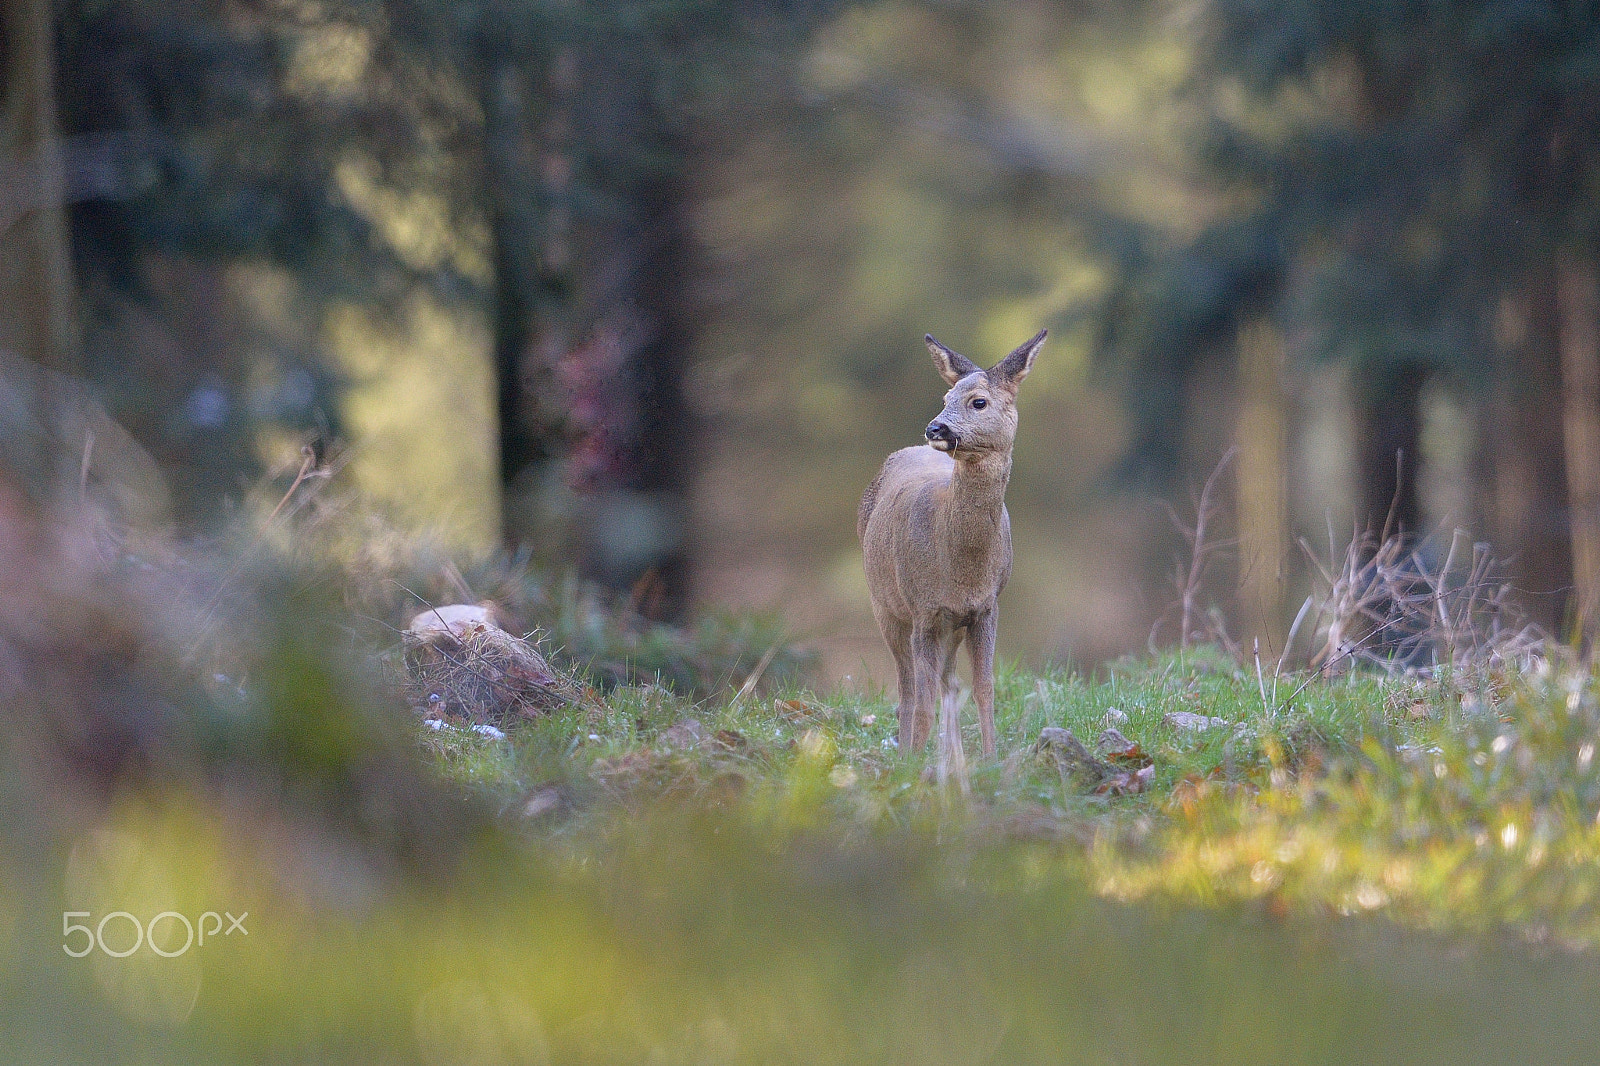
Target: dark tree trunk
<point>527,158</point>
<point>1389,440</point>
<point>38,306</point>
<point>1578,305</point>
<point>1529,523</point>
<point>592,329</point>
<point>659,456</point>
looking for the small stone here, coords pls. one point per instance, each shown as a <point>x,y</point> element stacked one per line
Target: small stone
<point>1068,753</point>
<point>1112,742</point>
<point>541,802</point>
<point>1188,722</point>
<point>684,735</point>
<point>1115,717</point>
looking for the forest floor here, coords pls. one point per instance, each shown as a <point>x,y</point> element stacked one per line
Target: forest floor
<point>1406,797</point>
<point>691,857</point>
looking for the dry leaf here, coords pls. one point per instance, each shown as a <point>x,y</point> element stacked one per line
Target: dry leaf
<point>1126,783</point>
<point>800,711</point>
<point>728,740</point>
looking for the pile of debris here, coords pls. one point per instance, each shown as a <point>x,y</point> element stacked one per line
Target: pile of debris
<point>461,666</point>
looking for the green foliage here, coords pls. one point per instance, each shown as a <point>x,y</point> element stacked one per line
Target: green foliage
<point>800,895</point>
<point>1392,171</point>
<point>759,876</point>
<point>632,748</point>
<point>1492,824</point>
<point>1444,811</point>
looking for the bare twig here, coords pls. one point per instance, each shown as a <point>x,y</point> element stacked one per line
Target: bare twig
<point>750,682</point>
<point>1389,606</point>
<point>1195,622</point>
<point>309,469</point>
<point>83,471</point>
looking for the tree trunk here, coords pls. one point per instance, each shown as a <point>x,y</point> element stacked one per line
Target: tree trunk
<point>38,306</point>
<point>528,176</point>
<point>633,440</point>
<point>1578,304</point>
<point>1389,440</point>
<point>591,324</point>
<point>1263,510</point>
<point>1529,464</point>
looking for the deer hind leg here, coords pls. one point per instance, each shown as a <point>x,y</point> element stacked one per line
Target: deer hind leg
<point>953,755</point>
<point>980,643</point>
<point>949,683</point>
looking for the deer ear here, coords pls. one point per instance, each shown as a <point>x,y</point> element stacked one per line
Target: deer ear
<point>1014,367</point>
<point>952,366</point>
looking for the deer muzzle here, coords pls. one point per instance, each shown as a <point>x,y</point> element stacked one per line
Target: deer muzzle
<point>942,436</point>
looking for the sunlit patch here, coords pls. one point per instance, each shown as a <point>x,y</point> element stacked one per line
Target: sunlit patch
<point>463,1021</point>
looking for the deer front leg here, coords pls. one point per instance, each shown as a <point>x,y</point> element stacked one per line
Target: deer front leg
<point>927,663</point>
<point>980,642</point>
<point>897,635</point>
<point>952,757</point>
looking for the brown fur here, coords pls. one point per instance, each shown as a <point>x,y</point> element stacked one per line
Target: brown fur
<point>936,541</point>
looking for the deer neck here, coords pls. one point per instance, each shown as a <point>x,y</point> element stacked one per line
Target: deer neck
<point>971,519</point>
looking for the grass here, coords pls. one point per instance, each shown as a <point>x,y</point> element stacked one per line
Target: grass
<point>1407,798</point>
<point>1308,889</point>
<point>633,746</point>
<point>686,868</point>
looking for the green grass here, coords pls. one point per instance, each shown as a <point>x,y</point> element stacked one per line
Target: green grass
<point>1312,890</point>
<point>624,747</point>
<point>1352,870</point>
<point>1314,886</point>
<point>1442,809</point>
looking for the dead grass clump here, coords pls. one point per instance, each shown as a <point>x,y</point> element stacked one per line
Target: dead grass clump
<point>1391,604</point>
<point>460,664</point>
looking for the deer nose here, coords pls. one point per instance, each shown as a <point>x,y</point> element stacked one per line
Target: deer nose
<point>939,431</point>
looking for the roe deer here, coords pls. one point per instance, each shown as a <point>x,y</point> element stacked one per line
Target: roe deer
<point>936,540</point>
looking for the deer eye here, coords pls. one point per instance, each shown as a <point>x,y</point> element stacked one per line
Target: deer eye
<point>979,403</point>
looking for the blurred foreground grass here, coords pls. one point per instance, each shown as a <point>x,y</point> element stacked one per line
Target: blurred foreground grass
<point>693,939</point>
<point>703,862</point>
<point>786,889</point>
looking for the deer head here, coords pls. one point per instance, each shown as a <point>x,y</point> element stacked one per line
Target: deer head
<point>980,410</point>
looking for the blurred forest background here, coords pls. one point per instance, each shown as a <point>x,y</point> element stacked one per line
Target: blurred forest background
<point>639,287</point>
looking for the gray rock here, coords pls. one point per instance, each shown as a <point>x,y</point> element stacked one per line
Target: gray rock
<point>1112,742</point>
<point>685,734</point>
<point>1188,722</point>
<point>1068,753</point>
